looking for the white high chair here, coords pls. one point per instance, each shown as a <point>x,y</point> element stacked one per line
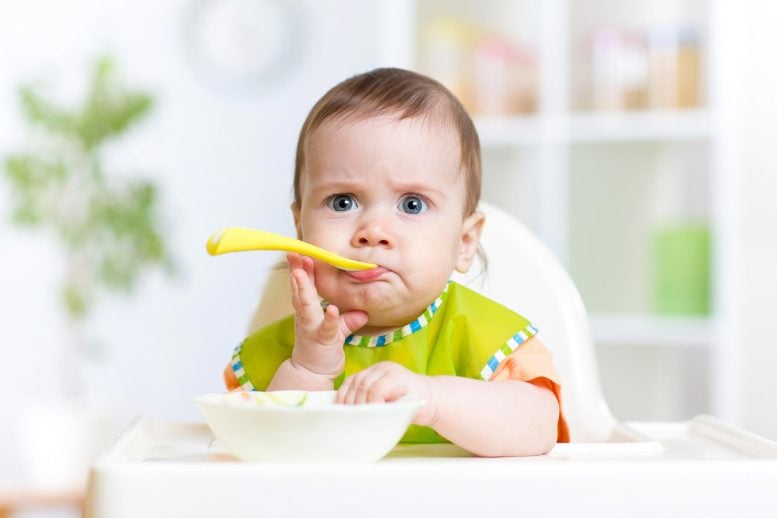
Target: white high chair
<point>609,468</point>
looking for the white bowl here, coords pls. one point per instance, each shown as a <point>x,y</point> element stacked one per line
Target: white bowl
<point>299,426</point>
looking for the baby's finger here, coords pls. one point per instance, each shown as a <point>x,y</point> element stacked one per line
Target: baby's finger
<point>296,300</point>
<point>308,307</point>
<point>349,398</point>
<point>330,327</point>
<point>309,265</point>
<point>360,383</point>
<point>294,292</point>
<point>349,395</point>
<point>343,390</point>
<point>372,387</point>
<point>352,320</point>
<point>294,261</point>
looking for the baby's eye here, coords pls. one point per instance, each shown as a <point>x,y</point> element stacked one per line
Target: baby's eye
<point>342,202</point>
<point>413,205</point>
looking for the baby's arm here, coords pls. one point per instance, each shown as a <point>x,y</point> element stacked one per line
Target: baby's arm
<point>496,418</point>
<point>488,418</point>
<point>318,357</point>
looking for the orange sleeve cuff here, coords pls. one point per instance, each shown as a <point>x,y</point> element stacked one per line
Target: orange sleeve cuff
<point>230,380</point>
<point>532,362</point>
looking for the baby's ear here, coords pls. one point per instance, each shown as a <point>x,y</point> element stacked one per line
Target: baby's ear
<point>471,229</point>
<point>295,210</point>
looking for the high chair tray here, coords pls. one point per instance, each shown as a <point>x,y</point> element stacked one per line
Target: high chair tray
<point>647,469</point>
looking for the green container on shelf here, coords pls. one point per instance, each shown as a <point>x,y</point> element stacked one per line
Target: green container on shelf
<point>682,273</point>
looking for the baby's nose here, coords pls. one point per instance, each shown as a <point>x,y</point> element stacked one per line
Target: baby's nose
<point>375,232</point>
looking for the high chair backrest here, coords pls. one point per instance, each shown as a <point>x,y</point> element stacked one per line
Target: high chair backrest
<point>525,276</point>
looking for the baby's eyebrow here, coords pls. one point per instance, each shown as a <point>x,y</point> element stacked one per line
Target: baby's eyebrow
<point>336,186</point>
<point>419,188</point>
<point>359,185</point>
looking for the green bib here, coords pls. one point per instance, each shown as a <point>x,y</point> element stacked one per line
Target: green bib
<point>462,333</point>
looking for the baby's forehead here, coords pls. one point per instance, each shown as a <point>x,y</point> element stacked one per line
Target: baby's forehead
<point>411,142</point>
<point>437,123</point>
<point>404,154</point>
<point>385,136</point>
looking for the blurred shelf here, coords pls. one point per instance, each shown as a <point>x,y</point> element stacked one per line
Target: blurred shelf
<point>15,498</point>
<point>623,329</point>
<point>504,131</point>
<point>640,126</point>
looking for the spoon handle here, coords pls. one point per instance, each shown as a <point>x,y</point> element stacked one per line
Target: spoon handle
<point>242,239</point>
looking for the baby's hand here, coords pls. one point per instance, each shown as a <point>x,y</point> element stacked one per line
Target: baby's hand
<point>389,381</point>
<point>319,335</point>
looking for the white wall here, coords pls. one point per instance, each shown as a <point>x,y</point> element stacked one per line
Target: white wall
<point>221,157</point>
<point>758,126</point>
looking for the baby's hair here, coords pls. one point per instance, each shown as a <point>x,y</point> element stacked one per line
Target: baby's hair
<point>406,94</point>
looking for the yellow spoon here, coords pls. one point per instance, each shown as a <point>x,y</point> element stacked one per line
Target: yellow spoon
<point>241,239</point>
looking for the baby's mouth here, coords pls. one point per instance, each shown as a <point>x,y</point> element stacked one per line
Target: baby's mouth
<point>368,275</point>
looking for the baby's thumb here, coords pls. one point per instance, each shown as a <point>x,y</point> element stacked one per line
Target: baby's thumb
<point>350,321</point>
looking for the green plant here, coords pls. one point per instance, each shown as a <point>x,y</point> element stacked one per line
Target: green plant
<point>106,223</point>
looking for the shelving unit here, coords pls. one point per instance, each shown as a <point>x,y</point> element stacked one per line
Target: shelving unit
<point>669,126</point>
<point>597,185</point>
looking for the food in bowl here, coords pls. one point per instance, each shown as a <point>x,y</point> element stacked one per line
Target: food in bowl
<point>302,426</point>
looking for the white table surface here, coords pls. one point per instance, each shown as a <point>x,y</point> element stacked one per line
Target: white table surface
<point>697,468</point>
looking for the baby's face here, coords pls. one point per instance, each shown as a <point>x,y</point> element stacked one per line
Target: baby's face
<point>392,193</point>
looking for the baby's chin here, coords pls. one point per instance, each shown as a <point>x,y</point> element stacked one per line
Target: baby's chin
<point>384,324</point>
<point>373,296</point>
<point>383,316</point>
<point>386,303</point>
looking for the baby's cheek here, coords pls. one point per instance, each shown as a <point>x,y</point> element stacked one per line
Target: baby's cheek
<point>327,286</point>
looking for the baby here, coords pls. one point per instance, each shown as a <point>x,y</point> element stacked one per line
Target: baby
<point>388,172</point>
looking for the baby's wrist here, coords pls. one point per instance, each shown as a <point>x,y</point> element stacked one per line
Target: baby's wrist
<point>291,376</point>
<point>302,367</point>
<point>431,409</point>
